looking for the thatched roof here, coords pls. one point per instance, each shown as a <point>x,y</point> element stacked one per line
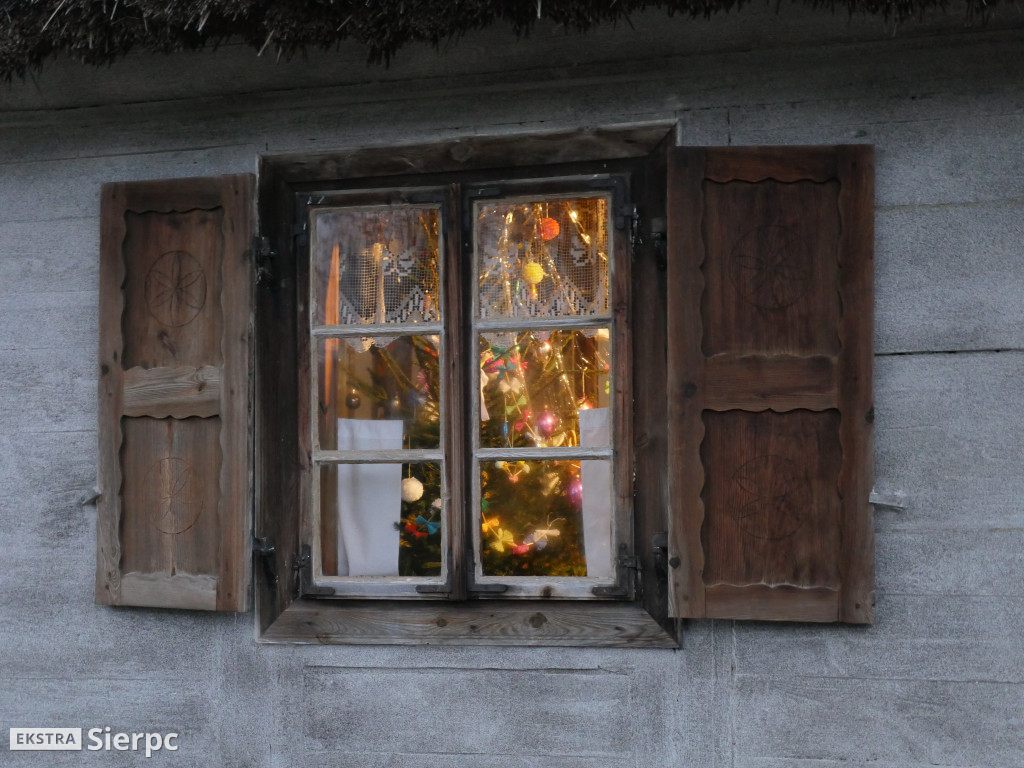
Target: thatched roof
<point>101,31</point>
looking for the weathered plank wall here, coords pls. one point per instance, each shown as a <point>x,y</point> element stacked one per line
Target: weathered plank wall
<point>939,680</point>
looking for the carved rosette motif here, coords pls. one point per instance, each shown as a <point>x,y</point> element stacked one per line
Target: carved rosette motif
<point>776,490</point>
<point>176,496</point>
<point>769,267</point>
<point>175,288</point>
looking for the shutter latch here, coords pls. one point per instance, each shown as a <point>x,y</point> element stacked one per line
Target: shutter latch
<point>304,565</point>
<point>625,563</point>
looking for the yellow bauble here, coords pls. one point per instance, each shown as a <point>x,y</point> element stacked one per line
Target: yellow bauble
<point>533,272</point>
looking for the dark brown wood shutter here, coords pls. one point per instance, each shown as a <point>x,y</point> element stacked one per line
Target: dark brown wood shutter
<point>769,383</point>
<point>173,525</point>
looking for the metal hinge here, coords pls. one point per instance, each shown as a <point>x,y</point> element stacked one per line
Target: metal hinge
<point>300,234</point>
<point>659,238</point>
<point>304,565</point>
<point>659,545</point>
<point>636,235</point>
<point>264,257</point>
<point>263,549</point>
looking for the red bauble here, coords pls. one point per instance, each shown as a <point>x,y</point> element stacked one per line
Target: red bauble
<point>548,228</point>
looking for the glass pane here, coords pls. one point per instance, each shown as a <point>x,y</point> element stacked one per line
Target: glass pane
<point>376,265</point>
<point>545,388</point>
<point>381,519</point>
<point>395,384</point>
<point>542,258</point>
<point>546,518</point>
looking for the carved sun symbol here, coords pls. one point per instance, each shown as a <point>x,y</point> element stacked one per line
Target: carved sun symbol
<point>176,288</point>
<point>176,494</point>
<point>777,493</point>
<point>767,267</point>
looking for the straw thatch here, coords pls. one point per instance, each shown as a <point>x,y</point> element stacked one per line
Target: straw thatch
<point>101,31</point>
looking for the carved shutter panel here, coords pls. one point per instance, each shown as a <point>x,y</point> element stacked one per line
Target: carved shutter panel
<point>769,383</point>
<point>175,441</point>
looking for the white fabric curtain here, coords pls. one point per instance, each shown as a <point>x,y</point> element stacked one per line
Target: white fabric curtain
<point>369,500</point>
<point>597,494</point>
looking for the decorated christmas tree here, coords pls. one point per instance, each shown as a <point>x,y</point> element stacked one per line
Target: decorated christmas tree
<point>536,260</point>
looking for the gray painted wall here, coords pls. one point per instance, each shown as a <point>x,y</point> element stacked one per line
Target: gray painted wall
<point>939,680</point>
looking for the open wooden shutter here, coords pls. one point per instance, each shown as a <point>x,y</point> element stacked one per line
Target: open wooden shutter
<point>769,383</point>
<point>174,407</point>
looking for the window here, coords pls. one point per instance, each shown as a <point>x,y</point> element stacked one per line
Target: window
<point>512,311</point>
<point>549,390</point>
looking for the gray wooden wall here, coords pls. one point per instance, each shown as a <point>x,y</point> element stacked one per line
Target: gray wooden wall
<point>939,680</point>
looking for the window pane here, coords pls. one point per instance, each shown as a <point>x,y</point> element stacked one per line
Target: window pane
<point>381,519</point>
<point>535,386</point>
<point>546,518</point>
<point>542,258</point>
<point>376,265</point>
<point>394,382</point>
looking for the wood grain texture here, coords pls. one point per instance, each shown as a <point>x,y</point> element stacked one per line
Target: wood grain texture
<point>176,392</point>
<point>650,427</point>
<point>175,427</point>
<point>172,291</point>
<point>234,583</point>
<point>182,590</point>
<point>856,331</point>
<point>776,382</point>
<point>774,247</point>
<point>771,283</point>
<point>685,379</point>
<point>111,395</point>
<point>277,410</point>
<point>518,623</point>
<point>785,164</point>
<point>170,494</point>
<point>771,501</point>
<point>471,153</point>
<point>766,603</point>
<point>457,462</point>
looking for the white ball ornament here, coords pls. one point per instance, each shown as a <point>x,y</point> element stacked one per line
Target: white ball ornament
<point>412,490</point>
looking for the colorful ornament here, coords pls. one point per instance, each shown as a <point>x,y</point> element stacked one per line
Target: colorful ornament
<point>395,405</point>
<point>431,525</point>
<point>353,401</point>
<point>547,423</point>
<point>501,538</point>
<point>533,272</point>
<point>412,490</point>
<point>548,228</point>
<point>575,492</point>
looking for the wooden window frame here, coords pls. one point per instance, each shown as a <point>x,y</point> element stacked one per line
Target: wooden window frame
<point>287,610</point>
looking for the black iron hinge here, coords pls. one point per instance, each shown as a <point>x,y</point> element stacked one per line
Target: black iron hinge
<point>264,550</point>
<point>265,258</point>
<point>300,234</point>
<point>659,238</point>
<point>659,545</point>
